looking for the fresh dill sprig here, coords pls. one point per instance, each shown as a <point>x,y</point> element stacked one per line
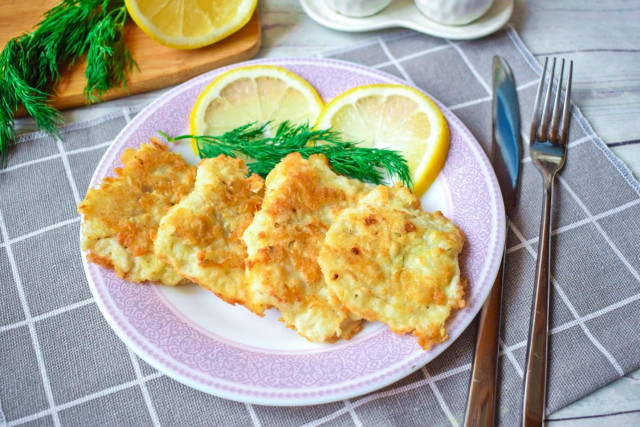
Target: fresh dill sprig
<point>264,152</point>
<point>30,63</point>
<point>108,58</point>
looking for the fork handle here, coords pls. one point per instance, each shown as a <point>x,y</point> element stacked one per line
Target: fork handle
<point>535,383</point>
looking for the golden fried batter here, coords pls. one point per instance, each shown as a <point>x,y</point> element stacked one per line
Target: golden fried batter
<point>387,260</point>
<point>302,199</point>
<point>121,216</point>
<point>201,237</point>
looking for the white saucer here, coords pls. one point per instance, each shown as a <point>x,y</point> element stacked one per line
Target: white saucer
<point>404,13</point>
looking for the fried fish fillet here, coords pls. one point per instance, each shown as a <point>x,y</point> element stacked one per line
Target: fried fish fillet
<point>387,260</point>
<point>201,237</point>
<point>302,199</point>
<point>121,216</point>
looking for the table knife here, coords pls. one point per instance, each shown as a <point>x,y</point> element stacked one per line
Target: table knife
<point>505,158</point>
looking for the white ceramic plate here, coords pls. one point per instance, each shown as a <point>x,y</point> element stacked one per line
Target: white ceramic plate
<point>404,13</point>
<point>192,336</point>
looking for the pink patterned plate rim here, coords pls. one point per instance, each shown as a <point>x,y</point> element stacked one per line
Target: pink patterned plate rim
<point>165,336</point>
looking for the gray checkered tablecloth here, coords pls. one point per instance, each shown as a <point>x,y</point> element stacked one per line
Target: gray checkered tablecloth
<point>60,363</point>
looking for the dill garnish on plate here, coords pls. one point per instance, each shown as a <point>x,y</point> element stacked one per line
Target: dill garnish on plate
<point>30,63</point>
<point>265,152</point>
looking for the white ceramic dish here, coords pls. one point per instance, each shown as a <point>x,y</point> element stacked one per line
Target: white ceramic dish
<point>453,12</point>
<point>404,13</point>
<point>195,338</point>
<point>357,8</point>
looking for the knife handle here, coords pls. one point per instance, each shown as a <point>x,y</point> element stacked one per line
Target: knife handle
<point>481,403</point>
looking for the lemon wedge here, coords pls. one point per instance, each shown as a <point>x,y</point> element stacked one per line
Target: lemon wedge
<point>258,93</point>
<point>189,24</point>
<point>396,117</point>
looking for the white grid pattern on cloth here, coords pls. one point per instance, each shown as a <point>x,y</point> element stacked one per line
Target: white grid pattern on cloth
<point>488,98</point>
<point>393,60</point>
<point>253,415</point>
<point>27,314</point>
<point>143,387</point>
<point>84,399</point>
<point>411,56</point>
<point>125,114</point>
<point>48,314</point>
<point>471,67</point>
<point>67,169</point>
<point>379,395</point>
<point>55,156</point>
<point>576,224</point>
<point>465,104</point>
<point>439,398</point>
<point>3,420</point>
<point>348,405</point>
<point>41,231</point>
<point>353,414</point>
<point>509,353</point>
<point>572,309</point>
<point>606,237</point>
<point>560,291</point>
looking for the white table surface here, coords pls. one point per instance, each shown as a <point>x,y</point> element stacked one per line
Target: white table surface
<point>603,40</point>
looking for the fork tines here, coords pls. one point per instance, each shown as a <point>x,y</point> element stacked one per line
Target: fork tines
<point>540,131</point>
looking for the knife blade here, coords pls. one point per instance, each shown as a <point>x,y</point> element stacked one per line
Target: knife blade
<point>505,159</point>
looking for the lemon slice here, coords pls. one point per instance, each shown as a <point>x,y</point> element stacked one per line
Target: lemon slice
<point>189,24</point>
<point>258,93</point>
<point>395,117</point>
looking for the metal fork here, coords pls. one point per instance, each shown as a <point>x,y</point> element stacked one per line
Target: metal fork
<point>548,149</point>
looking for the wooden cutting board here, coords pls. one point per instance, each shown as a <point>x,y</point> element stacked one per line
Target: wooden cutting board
<point>160,66</point>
